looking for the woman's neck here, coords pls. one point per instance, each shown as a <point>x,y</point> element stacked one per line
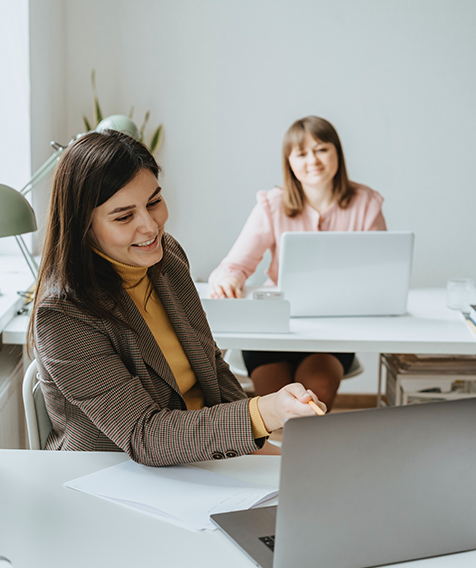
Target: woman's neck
<point>319,198</point>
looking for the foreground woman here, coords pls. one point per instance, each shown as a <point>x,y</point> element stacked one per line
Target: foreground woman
<point>126,358</point>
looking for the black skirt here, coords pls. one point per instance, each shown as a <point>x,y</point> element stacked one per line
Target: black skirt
<point>254,359</point>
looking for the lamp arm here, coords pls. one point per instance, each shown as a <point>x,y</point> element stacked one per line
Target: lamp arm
<point>115,122</point>
<point>28,256</point>
<point>43,170</point>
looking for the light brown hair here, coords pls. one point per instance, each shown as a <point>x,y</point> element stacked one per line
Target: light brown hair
<point>323,131</point>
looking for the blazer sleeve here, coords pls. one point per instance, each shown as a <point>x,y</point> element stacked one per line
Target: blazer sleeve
<point>256,236</point>
<point>230,388</point>
<point>80,360</point>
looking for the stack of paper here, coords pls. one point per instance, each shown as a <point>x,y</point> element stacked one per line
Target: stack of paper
<point>183,495</point>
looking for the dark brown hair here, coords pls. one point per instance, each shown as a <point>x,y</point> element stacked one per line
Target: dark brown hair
<point>323,131</point>
<point>91,170</point>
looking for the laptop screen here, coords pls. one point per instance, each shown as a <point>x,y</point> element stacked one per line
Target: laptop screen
<point>337,273</point>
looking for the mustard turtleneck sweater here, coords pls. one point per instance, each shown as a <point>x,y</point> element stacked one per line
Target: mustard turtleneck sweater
<point>136,283</point>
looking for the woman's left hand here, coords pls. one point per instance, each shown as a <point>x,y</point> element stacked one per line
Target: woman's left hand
<point>227,287</point>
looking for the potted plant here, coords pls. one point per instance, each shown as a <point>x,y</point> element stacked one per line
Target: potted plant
<point>156,138</point>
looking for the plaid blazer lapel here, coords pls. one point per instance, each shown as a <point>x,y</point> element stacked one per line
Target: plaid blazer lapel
<point>198,354</point>
<point>147,347</point>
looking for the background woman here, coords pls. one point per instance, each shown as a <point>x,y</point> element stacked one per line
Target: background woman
<point>316,196</point>
<point>126,358</point>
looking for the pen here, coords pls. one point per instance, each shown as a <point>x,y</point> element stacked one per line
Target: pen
<point>318,410</point>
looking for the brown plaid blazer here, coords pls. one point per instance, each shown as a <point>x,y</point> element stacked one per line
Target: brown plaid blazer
<point>108,388</point>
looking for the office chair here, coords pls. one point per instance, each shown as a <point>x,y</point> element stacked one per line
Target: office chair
<point>38,422</point>
<point>234,358</point>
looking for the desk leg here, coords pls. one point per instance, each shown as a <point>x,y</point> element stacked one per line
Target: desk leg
<point>379,391</point>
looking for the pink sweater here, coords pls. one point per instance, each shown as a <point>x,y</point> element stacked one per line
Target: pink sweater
<point>268,221</point>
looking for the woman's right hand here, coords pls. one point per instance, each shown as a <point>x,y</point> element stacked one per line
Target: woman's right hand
<point>226,287</point>
<point>289,402</point>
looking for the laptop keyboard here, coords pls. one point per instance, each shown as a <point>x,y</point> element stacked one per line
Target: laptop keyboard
<point>269,541</point>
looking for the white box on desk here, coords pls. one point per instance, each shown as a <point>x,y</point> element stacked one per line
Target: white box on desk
<point>268,314</point>
<point>247,315</point>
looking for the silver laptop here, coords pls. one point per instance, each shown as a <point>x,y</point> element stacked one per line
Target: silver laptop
<point>333,273</point>
<point>368,488</point>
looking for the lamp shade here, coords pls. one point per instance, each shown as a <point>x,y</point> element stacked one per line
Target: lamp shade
<point>121,123</point>
<point>16,214</point>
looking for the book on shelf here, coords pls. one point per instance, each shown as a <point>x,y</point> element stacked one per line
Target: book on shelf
<point>471,322</point>
<point>472,313</point>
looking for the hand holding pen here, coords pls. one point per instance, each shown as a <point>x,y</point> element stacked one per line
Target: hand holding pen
<point>292,401</point>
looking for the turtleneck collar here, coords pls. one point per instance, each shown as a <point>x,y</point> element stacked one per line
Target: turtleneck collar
<point>130,275</point>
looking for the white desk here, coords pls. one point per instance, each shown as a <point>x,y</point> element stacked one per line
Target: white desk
<point>428,327</point>
<point>14,276</point>
<point>44,525</point>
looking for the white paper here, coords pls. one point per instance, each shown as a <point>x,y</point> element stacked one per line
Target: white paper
<point>183,495</point>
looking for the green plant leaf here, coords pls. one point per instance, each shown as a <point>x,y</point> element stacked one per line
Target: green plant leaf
<point>98,112</point>
<point>97,108</point>
<point>86,123</point>
<point>144,124</point>
<point>156,140</point>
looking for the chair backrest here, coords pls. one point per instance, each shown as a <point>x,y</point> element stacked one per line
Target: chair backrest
<point>37,420</point>
<point>356,368</point>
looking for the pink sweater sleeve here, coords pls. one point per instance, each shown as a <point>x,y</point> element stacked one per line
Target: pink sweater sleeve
<point>256,236</point>
<point>374,220</point>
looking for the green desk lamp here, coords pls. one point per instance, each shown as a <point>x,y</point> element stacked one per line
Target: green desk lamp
<point>17,218</point>
<point>16,214</point>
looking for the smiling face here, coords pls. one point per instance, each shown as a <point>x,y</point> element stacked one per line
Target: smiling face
<point>314,164</point>
<point>129,226</point>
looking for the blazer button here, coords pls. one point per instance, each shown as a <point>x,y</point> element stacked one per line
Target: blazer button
<point>231,454</point>
<point>218,456</point>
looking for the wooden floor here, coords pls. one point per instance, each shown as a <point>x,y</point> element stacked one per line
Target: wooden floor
<point>345,402</point>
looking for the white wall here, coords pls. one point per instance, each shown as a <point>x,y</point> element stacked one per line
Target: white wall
<point>14,101</point>
<point>227,78</point>
<point>48,86</point>
<point>396,77</point>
